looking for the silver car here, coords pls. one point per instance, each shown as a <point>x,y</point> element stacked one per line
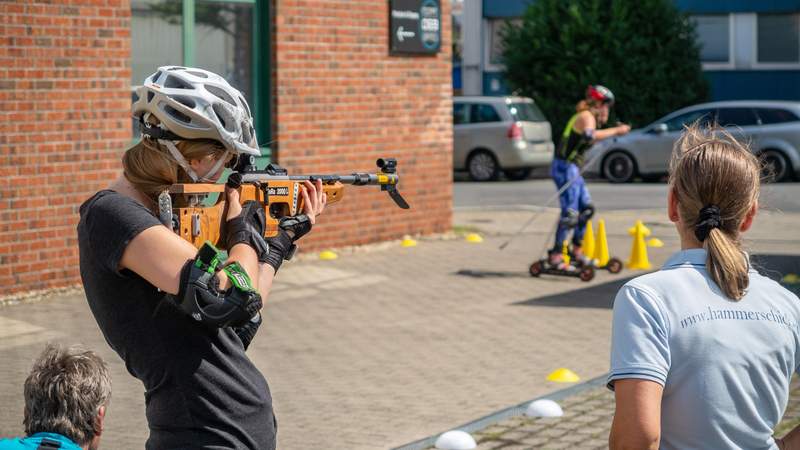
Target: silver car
<point>494,134</point>
<point>772,128</point>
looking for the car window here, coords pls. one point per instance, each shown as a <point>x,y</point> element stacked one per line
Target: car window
<point>740,117</point>
<point>460,113</point>
<point>677,123</point>
<point>484,113</point>
<point>775,115</point>
<point>526,112</point>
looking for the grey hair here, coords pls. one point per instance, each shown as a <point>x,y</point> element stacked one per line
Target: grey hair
<point>64,393</point>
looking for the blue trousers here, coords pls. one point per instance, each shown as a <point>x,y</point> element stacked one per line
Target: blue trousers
<point>573,200</point>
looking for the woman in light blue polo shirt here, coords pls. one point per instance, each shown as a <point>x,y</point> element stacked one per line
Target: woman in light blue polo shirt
<point>704,349</point>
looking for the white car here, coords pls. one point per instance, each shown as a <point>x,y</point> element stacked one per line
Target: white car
<point>772,128</point>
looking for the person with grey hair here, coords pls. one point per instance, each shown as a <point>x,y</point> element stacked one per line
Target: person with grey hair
<point>66,396</point>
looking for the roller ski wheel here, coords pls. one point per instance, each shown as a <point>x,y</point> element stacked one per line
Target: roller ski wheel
<point>586,273</point>
<point>536,269</point>
<point>614,265</point>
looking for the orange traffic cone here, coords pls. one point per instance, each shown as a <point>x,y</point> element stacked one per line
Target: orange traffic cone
<point>588,244</point>
<point>601,250</point>
<point>638,259</point>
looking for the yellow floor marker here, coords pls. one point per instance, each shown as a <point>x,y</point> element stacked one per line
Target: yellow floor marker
<point>563,375</point>
<point>474,238</point>
<point>408,242</point>
<point>328,255</point>
<point>790,278</point>
<point>655,243</point>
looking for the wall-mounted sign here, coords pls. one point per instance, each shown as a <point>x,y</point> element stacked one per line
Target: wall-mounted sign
<point>415,26</point>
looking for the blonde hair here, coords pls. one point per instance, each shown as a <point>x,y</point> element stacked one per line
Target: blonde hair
<point>150,168</point>
<point>709,169</point>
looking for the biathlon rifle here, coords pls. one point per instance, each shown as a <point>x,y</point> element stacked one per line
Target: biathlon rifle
<point>182,208</point>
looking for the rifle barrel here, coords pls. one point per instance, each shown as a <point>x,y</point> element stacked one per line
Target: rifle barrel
<point>357,179</point>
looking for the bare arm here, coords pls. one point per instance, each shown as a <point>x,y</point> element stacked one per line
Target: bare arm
<point>637,419</point>
<point>586,121</point>
<point>158,255</point>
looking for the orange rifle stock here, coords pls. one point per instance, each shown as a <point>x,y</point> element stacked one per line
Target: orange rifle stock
<point>274,188</point>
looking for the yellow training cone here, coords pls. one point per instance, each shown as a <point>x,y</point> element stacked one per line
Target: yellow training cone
<point>655,243</point>
<point>563,375</point>
<point>601,249</point>
<point>638,259</point>
<point>475,238</point>
<point>588,241</point>
<point>328,255</point>
<point>408,242</point>
<point>565,251</point>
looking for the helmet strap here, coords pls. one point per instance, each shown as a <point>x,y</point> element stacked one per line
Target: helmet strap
<point>173,150</point>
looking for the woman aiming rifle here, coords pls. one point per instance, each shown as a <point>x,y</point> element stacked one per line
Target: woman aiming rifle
<point>179,318</point>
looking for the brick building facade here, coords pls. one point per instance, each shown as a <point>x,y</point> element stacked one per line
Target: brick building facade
<point>339,101</point>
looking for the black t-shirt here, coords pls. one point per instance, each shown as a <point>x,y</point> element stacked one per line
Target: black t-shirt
<point>201,390</point>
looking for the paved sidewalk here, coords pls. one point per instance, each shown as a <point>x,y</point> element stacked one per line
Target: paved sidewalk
<point>387,345</point>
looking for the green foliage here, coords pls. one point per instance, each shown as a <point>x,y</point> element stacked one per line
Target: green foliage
<point>644,51</point>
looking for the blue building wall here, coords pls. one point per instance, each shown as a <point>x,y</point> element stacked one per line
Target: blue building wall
<point>725,84</point>
<point>754,84</point>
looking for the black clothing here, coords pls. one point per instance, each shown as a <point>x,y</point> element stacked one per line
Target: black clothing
<point>201,390</point>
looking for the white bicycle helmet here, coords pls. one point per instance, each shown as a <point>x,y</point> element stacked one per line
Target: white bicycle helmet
<point>192,103</point>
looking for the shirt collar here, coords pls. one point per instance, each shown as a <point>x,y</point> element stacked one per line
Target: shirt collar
<point>695,257</point>
<point>67,443</point>
<point>691,256</point>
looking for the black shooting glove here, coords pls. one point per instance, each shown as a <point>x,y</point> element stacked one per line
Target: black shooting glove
<point>248,331</point>
<point>248,227</point>
<point>282,247</point>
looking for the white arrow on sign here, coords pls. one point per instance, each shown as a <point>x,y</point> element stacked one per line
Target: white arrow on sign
<point>402,34</point>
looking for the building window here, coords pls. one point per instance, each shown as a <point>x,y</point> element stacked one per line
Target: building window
<point>779,38</point>
<point>220,36</point>
<point>714,37</point>
<point>496,27</point>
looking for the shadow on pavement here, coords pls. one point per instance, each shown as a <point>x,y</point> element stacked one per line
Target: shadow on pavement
<point>599,296</point>
<point>490,274</point>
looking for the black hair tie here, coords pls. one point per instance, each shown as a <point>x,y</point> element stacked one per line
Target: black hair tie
<point>709,219</point>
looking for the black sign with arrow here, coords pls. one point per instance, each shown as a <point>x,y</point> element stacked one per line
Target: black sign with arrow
<point>415,26</point>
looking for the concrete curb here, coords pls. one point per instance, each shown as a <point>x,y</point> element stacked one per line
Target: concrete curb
<point>516,410</point>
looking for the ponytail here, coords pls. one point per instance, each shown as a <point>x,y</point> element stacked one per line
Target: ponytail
<point>716,181</point>
<point>726,264</point>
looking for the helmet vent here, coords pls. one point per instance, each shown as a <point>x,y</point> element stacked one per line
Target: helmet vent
<point>155,76</point>
<point>221,94</point>
<point>185,101</point>
<point>134,97</point>
<point>150,96</point>
<point>246,108</point>
<point>224,116</point>
<point>175,114</point>
<point>177,83</point>
<point>197,74</point>
<point>176,68</point>
<point>247,135</point>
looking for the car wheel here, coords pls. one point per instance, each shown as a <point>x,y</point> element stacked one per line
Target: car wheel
<point>619,167</point>
<point>518,174</point>
<point>482,166</point>
<point>776,167</point>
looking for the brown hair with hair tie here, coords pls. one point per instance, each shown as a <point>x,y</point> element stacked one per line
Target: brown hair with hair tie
<point>716,180</point>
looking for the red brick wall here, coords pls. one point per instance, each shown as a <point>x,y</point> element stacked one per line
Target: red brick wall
<point>64,121</point>
<point>341,101</point>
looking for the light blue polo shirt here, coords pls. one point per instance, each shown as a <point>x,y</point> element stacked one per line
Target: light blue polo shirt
<point>725,365</point>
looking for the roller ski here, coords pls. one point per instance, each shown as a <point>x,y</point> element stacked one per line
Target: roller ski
<point>558,266</point>
<point>613,265</point>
